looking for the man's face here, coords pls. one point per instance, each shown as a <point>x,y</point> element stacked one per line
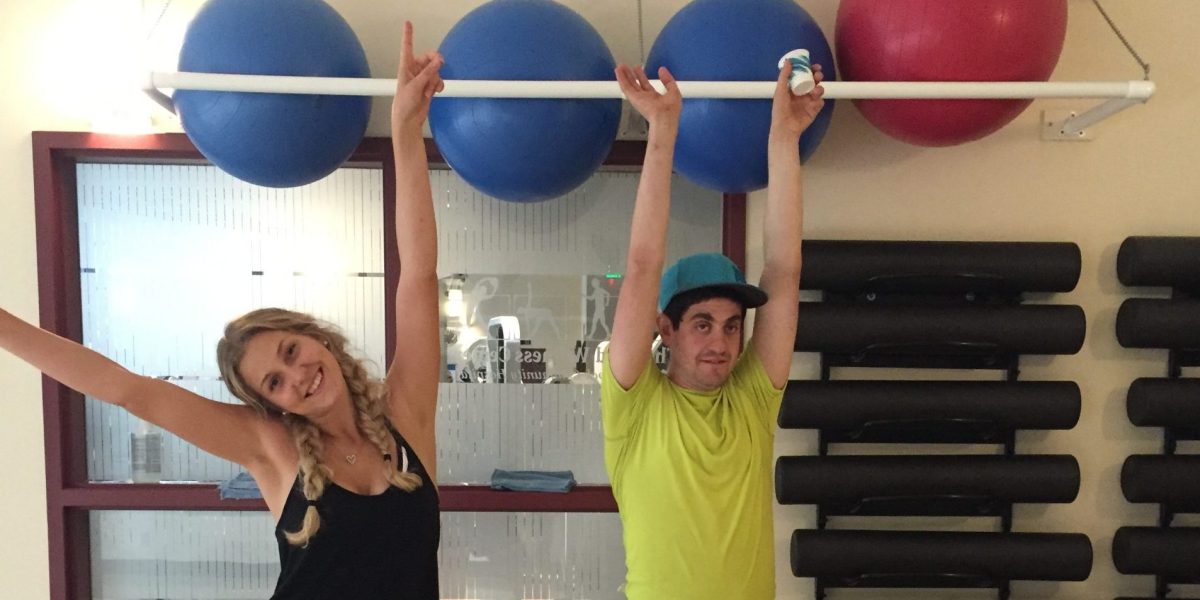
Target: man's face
<point>706,345</point>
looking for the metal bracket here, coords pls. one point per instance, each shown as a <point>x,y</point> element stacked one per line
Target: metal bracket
<point>1054,127</point>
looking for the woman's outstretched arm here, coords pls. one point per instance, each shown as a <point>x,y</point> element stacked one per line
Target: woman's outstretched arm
<point>229,431</point>
<point>414,373</point>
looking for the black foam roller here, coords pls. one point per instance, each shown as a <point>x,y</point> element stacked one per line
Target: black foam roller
<point>849,405</point>
<point>1171,552</point>
<point>939,267</point>
<point>1170,479</point>
<point>1160,402</point>
<point>847,554</point>
<point>853,329</point>
<point>1160,261</point>
<point>827,479</point>
<point>1150,323</point>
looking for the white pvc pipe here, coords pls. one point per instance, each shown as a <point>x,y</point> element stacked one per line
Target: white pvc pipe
<point>1137,90</point>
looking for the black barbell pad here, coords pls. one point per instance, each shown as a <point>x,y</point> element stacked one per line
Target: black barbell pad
<point>1155,323</point>
<point>1163,402</point>
<point>1169,479</point>
<point>1160,261</point>
<point>829,479</point>
<point>848,405</point>
<point>854,328</point>
<point>1171,552</point>
<point>1000,556</point>
<point>853,266</point>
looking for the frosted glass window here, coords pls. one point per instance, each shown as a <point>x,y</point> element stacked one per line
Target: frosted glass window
<point>519,427</point>
<point>170,253</point>
<point>518,556</point>
<point>585,232</point>
<point>233,556</point>
<point>176,555</point>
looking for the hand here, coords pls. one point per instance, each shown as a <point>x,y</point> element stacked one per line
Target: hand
<point>417,81</point>
<point>792,114</point>
<point>655,107</point>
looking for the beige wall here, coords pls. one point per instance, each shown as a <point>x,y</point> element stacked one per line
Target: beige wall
<point>1137,177</point>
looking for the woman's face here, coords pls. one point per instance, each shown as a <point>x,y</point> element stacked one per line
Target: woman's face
<point>294,372</point>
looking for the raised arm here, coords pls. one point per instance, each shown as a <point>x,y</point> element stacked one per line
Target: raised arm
<point>775,322</point>
<point>229,431</point>
<point>413,375</point>
<point>637,305</point>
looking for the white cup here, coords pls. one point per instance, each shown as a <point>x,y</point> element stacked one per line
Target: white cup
<point>801,82</point>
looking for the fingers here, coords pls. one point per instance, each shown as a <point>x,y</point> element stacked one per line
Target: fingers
<point>633,80</point>
<point>625,78</point>
<point>406,52</point>
<point>642,77</point>
<point>421,62</point>
<point>782,89</point>
<point>433,86</point>
<point>668,80</point>
<point>819,91</point>
<point>428,78</point>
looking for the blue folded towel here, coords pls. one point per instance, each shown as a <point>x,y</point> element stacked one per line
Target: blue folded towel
<point>533,481</point>
<point>241,487</point>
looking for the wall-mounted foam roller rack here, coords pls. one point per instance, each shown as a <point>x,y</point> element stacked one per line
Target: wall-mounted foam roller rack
<point>932,305</point>
<point>1170,554</point>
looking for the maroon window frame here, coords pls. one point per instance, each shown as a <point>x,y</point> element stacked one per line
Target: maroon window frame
<point>69,494</point>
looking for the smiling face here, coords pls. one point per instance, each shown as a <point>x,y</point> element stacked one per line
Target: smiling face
<point>293,372</point>
<point>706,344</point>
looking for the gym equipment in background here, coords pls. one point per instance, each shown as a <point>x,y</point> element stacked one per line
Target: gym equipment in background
<point>920,40</point>
<point>722,144</point>
<point>525,150</point>
<point>1169,552</point>
<point>275,140</point>
<point>932,305</point>
<point>738,168</point>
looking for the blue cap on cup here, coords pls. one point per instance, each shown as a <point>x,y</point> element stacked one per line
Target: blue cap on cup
<point>709,270</point>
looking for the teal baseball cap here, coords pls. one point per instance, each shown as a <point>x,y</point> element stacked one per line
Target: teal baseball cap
<point>708,270</point>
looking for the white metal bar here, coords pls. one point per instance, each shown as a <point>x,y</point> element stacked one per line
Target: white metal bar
<point>1076,124</point>
<point>160,98</point>
<point>1139,90</point>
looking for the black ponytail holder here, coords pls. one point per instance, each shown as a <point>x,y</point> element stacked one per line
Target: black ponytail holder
<point>387,457</point>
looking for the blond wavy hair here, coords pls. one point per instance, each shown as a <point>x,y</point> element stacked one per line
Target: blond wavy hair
<point>369,397</point>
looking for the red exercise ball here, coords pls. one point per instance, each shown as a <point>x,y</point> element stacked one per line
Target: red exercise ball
<point>936,40</point>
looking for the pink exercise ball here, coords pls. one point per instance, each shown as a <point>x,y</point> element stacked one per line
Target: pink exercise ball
<point>936,40</point>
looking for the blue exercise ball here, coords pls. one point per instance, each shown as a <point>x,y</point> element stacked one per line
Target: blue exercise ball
<point>722,144</point>
<point>525,150</point>
<point>276,140</point>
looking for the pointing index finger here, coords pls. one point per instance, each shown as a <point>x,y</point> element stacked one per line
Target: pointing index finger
<point>406,52</point>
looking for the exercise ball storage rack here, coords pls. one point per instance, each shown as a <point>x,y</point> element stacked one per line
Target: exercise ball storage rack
<point>932,305</point>
<point>1115,95</point>
<point>1169,552</point>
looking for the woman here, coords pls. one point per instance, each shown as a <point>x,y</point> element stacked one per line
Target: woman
<point>346,465</point>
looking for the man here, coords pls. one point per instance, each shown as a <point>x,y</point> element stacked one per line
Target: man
<point>689,451</point>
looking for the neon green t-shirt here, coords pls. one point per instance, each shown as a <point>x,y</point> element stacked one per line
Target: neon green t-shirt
<point>692,475</point>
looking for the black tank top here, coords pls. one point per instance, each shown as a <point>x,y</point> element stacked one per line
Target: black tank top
<point>380,547</point>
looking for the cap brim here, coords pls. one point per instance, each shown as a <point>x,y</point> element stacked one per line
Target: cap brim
<point>750,296</point>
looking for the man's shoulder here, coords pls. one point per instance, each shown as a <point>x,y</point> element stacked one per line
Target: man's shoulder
<point>647,382</point>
